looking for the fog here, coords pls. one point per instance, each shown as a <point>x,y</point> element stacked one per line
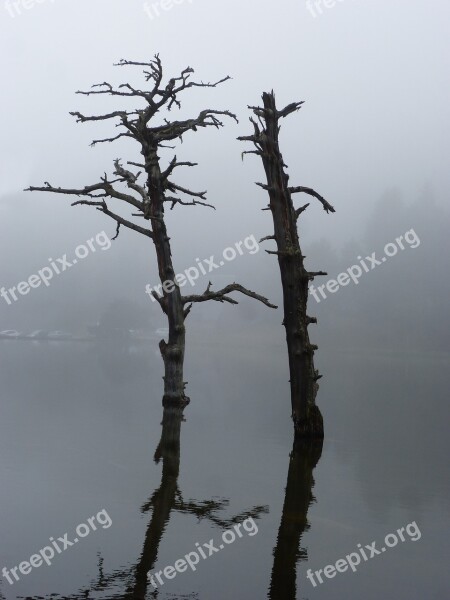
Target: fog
<point>372,138</point>
<point>374,80</point>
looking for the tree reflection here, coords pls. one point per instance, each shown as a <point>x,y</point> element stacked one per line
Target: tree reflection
<point>298,497</point>
<point>131,582</point>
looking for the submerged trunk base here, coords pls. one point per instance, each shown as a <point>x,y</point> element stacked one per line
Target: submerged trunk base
<point>173,357</point>
<point>310,426</point>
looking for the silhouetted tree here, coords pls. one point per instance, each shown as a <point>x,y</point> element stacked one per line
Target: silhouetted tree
<point>295,278</point>
<point>149,197</point>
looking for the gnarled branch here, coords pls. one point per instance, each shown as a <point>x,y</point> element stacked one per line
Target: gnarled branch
<point>307,190</point>
<point>299,211</point>
<point>88,191</point>
<point>222,295</point>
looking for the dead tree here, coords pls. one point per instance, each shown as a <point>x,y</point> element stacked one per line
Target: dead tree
<point>149,197</point>
<point>295,278</point>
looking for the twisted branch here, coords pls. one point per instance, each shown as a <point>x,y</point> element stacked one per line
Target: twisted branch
<point>307,190</point>
<point>222,295</point>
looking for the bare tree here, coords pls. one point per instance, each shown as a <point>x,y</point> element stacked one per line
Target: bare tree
<point>295,278</point>
<point>149,197</point>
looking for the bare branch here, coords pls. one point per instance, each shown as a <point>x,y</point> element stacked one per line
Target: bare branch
<point>176,201</point>
<point>161,300</point>
<point>175,129</point>
<point>187,310</point>
<point>123,63</point>
<point>87,203</point>
<point>299,211</point>
<point>221,295</point>
<point>118,113</point>
<point>113,139</point>
<point>109,191</point>
<point>264,186</point>
<point>135,164</point>
<point>88,190</point>
<point>121,221</point>
<point>131,179</point>
<point>109,90</point>
<point>117,232</point>
<point>173,187</point>
<point>263,112</point>
<point>102,206</point>
<point>201,84</point>
<point>257,152</point>
<point>290,108</point>
<point>307,190</point>
<point>173,164</point>
<point>313,274</point>
<point>159,95</point>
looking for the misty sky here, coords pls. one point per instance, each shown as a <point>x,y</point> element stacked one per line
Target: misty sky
<point>374,76</point>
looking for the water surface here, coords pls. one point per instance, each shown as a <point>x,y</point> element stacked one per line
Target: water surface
<point>81,423</point>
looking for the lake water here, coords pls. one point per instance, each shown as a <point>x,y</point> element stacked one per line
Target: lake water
<point>80,425</point>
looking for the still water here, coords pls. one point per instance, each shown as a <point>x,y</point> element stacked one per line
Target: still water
<point>82,433</point>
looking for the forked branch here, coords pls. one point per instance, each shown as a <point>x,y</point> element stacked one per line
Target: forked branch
<point>222,295</point>
<point>307,190</point>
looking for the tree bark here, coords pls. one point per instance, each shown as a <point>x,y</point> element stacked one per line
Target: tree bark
<point>308,421</point>
<point>172,351</point>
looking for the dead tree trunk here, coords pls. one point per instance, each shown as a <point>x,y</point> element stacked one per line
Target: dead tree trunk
<point>150,197</point>
<point>295,278</point>
<point>172,351</point>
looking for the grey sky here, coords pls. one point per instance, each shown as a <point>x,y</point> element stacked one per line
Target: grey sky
<point>374,76</point>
